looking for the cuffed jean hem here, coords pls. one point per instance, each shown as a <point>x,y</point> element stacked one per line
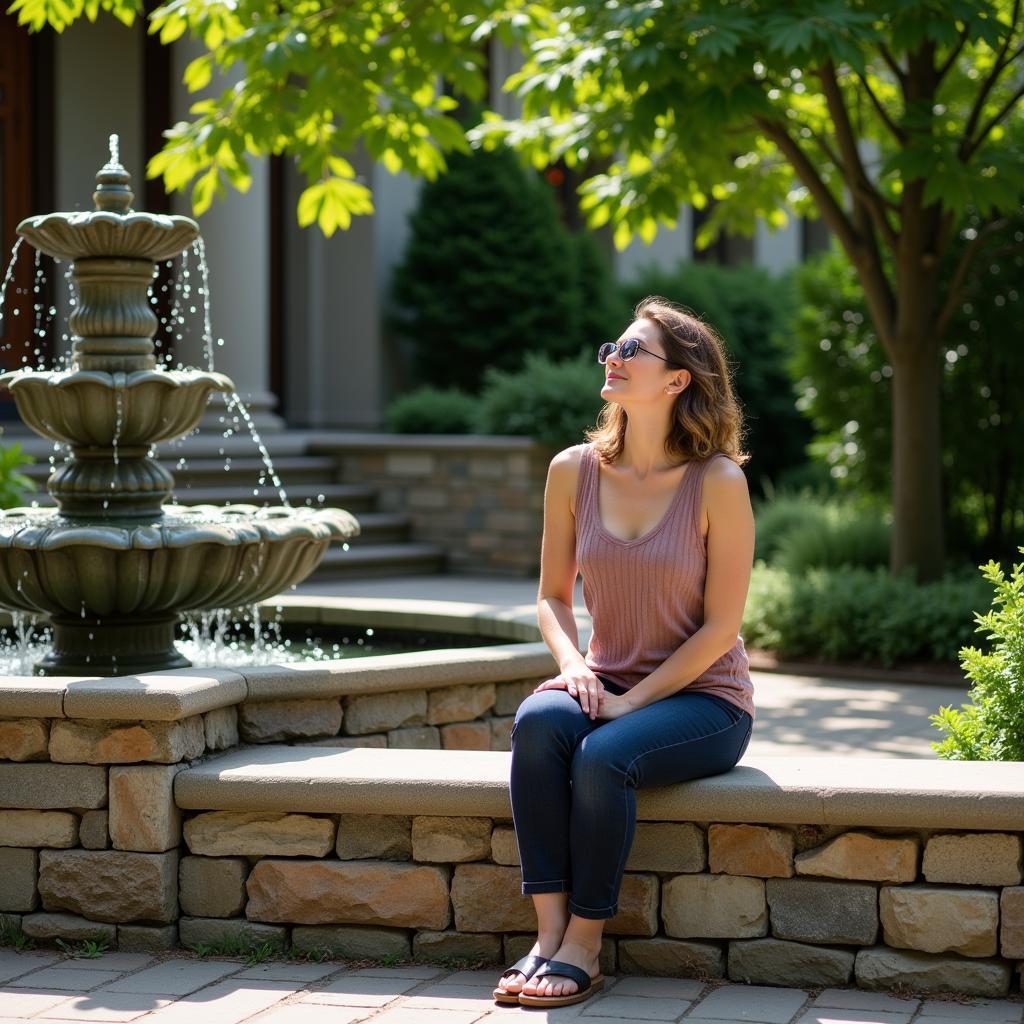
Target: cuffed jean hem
<point>590,914</point>
<point>558,885</point>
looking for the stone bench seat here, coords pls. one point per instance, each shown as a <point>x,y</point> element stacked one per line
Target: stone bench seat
<point>879,792</point>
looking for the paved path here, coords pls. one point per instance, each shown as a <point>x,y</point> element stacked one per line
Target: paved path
<point>805,714</point>
<point>41,986</point>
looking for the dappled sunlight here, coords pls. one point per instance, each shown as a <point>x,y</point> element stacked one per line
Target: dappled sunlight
<point>827,717</point>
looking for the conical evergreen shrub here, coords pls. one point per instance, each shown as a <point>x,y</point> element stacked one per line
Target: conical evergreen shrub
<point>488,274</point>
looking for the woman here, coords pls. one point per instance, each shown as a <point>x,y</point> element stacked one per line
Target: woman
<point>655,514</point>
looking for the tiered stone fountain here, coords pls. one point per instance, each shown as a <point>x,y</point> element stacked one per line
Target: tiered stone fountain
<point>111,568</point>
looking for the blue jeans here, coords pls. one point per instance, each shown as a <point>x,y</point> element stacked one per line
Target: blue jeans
<point>574,781</point>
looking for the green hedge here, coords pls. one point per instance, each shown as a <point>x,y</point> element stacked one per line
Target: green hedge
<point>860,615</point>
<point>796,532</point>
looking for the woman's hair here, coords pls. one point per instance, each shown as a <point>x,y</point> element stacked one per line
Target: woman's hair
<point>707,417</point>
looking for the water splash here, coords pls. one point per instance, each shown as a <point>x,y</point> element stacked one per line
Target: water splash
<point>204,275</point>
<point>234,401</point>
<point>118,425</point>
<point>7,278</point>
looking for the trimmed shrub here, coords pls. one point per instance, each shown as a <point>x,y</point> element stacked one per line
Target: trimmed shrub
<point>858,615</point>
<point>800,532</point>
<point>431,410</point>
<point>487,275</point>
<point>991,727</point>
<point>552,402</point>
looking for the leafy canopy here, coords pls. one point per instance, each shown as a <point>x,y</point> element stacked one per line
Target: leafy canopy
<point>688,101</point>
<point>724,102</point>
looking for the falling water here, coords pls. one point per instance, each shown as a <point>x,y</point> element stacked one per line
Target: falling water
<point>8,276</point>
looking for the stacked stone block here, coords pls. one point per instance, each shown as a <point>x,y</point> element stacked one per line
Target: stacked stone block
<point>696,900</point>
<point>483,502</point>
<point>469,716</point>
<point>90,835</point>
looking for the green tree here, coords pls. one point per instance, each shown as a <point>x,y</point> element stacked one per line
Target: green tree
<point>759,106</point>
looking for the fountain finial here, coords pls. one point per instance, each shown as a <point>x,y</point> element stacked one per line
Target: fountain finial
<point>113,183</point>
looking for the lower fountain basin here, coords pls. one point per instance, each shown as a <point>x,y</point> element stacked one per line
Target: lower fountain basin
<point>114,591</point>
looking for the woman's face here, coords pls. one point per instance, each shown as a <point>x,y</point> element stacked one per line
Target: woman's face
<point>644,377</point>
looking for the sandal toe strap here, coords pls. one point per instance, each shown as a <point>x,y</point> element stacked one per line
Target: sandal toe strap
<point>527,966</point>
<point>564,970</point>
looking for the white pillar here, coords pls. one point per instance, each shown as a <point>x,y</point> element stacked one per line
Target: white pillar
<point>778,250</point>
<point>335,371</point>
<point>236,232</point>
<point>670,247</point>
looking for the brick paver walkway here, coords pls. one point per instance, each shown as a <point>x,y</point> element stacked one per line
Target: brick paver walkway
<point>45,986</point>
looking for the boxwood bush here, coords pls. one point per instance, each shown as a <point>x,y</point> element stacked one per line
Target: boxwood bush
<point>991,727</point>
<point>859,615</point>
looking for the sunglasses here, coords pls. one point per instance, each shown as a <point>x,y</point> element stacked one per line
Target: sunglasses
<point>626,349</point>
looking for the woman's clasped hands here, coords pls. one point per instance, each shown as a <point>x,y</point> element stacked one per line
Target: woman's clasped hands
<point>585,687</point>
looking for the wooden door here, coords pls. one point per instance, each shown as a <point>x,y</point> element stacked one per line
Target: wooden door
<point>16,196</point>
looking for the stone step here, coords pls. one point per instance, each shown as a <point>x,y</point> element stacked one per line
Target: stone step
<point>207,444</point>
<point>292,469</point>
<point>379,560</point>
<point>356,498</point>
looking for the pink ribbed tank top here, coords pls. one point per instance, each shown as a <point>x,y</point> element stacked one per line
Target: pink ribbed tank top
<point>646,596</point>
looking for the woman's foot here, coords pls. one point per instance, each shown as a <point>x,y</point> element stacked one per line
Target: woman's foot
<point>586,957</point>
<point>544,946</point>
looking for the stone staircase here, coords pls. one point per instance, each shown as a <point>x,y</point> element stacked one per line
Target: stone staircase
<point>222,471</point>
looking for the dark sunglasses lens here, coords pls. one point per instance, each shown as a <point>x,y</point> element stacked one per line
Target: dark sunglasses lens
<point>629,348</point>
<point>605,351</point>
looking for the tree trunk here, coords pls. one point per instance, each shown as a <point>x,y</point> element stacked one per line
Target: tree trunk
<point>917,535</point>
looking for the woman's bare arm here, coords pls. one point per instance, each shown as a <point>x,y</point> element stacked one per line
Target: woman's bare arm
<point>558,566</point>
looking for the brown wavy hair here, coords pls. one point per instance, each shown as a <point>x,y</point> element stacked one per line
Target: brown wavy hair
<point>707,417</point>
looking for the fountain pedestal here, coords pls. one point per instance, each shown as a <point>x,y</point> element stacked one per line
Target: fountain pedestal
<point>110,569</point>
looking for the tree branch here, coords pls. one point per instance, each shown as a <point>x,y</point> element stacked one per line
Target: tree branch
<point>877,288</point>
<point>987,86</point>
<point>889,59</point>
<point>951,59</point>
<point>983,134</point>
<point>864,192</point>
<point>960,275</point>
<point>899,134</point>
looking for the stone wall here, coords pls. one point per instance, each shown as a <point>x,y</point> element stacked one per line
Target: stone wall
<point>480,498</point>
<point>90,838</point>
<point>470,716</point>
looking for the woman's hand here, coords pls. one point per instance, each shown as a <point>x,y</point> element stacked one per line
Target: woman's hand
<point>614,706</point>
<point>582,684</point>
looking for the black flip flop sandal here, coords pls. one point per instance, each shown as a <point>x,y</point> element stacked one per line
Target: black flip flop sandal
<point>587,985</point>
<point>528,966</point>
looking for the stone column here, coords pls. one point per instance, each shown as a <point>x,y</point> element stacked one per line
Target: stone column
<point>236,231</point>
<point>339,370</point>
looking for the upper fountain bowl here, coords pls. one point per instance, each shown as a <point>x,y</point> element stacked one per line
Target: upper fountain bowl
<point>113,229</point>
<point>100,233</point>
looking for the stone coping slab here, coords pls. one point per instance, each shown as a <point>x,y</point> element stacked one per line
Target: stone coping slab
<point>172,696</point>
<point>792,790</point>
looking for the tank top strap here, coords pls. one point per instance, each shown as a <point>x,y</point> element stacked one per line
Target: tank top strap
<point>689,506</point>
<point>586,484</point>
